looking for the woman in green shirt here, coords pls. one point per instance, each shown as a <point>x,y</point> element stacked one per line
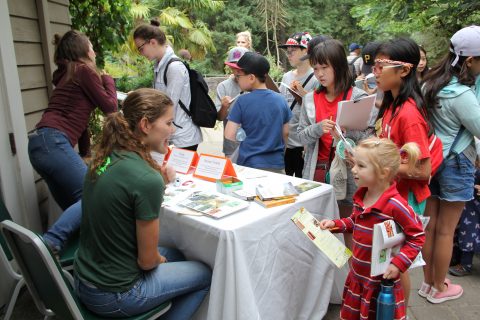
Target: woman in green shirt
<point>119,269</point>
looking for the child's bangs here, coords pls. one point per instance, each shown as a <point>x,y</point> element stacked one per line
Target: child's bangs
<point>319,55</point>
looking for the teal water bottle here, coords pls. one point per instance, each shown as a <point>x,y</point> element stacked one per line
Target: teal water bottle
<point>386,301</point>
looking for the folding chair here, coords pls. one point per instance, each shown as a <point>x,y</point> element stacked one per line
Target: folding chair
<point>6,260</point>
<point>44,278</point>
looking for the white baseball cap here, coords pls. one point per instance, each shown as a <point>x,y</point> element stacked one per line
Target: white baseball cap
<point>466,43</point>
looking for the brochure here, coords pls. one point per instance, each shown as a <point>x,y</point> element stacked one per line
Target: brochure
<point>276,191</point>
<point>308,185</point>
<point>213,204</point>
<point>330,245</point>
<point>388,238</point>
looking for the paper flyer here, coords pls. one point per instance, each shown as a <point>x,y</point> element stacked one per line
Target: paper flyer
<point>330,245</point>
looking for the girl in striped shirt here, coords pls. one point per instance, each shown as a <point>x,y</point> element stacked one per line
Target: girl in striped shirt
<point>377,199</point>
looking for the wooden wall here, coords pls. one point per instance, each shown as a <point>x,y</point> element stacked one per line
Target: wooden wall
<point>34,22</point>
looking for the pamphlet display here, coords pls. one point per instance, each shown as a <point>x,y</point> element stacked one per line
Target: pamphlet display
<point>181,160</point>
<point>213,168</point>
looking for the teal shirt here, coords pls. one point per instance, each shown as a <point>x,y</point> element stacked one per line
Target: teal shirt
<point>459,106</point>
<point>128,190</point>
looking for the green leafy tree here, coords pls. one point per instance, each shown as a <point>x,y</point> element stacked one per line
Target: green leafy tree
<point>106,22</point>
<point>430,22</point>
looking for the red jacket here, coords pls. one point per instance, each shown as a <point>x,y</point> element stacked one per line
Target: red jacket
<point>389,206</point>
<point>73,100</point>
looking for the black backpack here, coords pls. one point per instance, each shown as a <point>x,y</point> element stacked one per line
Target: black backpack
<point>202,109</point>
<point>351,66</point>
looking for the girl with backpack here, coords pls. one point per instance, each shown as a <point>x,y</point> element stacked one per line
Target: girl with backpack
<point>151,43</point>
<point>319,112</point>
<point>403,118</point>
<point>455,114</point>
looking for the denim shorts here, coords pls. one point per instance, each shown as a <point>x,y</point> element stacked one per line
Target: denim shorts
<point>454,180</point>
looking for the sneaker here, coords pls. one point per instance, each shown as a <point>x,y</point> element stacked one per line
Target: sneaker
<point>425,288</point>
<point>459,271</point>
<point>454,291</point>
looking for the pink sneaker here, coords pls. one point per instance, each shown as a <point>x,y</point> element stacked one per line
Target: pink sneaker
<point>425,288</point>
<point>454,291</point>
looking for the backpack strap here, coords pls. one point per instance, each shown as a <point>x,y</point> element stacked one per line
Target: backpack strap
<point>184,108</point>
<point>455,142</point>
<point>294,102</point>
<point>353,61</point>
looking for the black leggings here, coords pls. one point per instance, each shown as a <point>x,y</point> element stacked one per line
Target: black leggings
<point>294,161</point>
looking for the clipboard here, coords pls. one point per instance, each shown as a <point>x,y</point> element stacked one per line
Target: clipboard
<point>271,84</point>
<point>355,114</point>
<point>294,93</point>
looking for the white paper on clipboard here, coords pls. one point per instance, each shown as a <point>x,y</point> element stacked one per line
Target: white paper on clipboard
<point>355,114</point>
<point>347,144</point>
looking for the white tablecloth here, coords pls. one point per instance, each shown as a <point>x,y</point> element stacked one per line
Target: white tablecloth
<point>263,266</point>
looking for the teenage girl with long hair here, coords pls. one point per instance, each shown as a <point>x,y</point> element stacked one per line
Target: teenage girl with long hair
<point>79,89</point>
<point>119,269</point>
<point>403,118</point>
<point>455,114</point>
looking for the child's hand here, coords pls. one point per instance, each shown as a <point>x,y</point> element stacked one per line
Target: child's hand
<point>327,125</point>
<point>326,224</point>
<point>392,272</point>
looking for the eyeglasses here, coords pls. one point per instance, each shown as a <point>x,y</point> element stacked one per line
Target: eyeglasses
<point>291,51</point>
<point>141,47</point>
<point>237,76</point>
<point>378,68</point>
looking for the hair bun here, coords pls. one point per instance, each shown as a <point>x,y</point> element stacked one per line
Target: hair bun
<point>56,39</point>
<point>155,22</point>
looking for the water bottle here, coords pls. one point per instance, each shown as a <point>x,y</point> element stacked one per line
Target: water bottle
<point>241,135</point>
<point>386,301</point>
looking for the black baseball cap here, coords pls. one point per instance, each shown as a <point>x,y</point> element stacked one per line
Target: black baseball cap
<point>254,63</point>
<point>368,53</point>
<point>313,43</point>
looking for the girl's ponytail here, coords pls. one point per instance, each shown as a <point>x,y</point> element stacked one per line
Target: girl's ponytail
<point>410,152</point>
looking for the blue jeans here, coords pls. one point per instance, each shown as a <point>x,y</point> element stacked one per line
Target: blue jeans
<point>68,223</point>
<point>185,283</point>
<point>54,158</point>
<point>454,179</point>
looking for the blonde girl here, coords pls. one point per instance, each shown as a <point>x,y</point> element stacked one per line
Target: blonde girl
<point>377,199</point>
<point>244,39</point>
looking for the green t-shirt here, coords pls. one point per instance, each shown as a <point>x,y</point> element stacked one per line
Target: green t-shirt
<point>126,191</point>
